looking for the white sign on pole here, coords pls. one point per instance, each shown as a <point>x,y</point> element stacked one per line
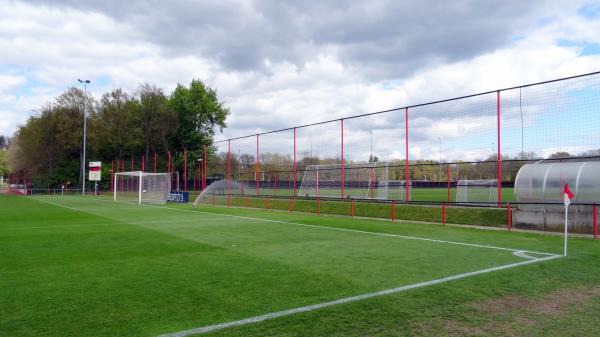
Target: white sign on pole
<point>95,171</point>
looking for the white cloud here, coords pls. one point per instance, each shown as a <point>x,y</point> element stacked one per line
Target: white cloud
<point>50,47</point>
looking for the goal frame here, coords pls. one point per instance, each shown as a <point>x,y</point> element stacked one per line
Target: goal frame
<point>140,175</point>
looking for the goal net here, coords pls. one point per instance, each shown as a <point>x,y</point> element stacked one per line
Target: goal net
<point>141,187</point>
<point>394,190</point>
<point>477,191</point>
<point>361,181</point>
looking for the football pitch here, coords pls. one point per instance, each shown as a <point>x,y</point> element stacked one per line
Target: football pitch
<point>86,266</point>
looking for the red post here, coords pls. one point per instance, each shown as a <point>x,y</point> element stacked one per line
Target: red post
<point>343,181</point>
<point>509,220</point>
<point>155,162</point>
<point>393,210</point>
<point>185,168</point>
<point>194,183</point>
<point>290,205</point>
<point>143,163</point>
<point>256,173</point>
<point>318,206</point>
<point>246,201</point>
<point>228,172</point>
<point>204,170</point>
<point>267,201</point>
<point>499,160</point>
<point>406,173</point>
<point>443,213</point>
<point>294,163</point>
<point>448,176</point>
<point>595,222</point>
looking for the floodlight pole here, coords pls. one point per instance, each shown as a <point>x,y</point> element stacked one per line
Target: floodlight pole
<point>85,83</point>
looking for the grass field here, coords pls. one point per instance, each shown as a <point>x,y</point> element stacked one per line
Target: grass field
<point>76,266</point>
<point>421,194</point>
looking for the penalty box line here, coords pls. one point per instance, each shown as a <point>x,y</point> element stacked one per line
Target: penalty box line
<point>256,319</point>
<point>517,251</point>
<point>362,232</point>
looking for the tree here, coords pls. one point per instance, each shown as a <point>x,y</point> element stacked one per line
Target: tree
<point>114,128</point>
<point>3,143</point>
<point>560,154</point>
<point>158,122</point>
<point>199,112</point>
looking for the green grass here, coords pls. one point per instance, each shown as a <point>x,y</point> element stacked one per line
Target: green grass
<point>90,267</point>
<point>422,194</point>
<point>481,216</point>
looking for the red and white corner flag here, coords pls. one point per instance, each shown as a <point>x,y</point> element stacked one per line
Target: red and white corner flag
<point>567,195</point>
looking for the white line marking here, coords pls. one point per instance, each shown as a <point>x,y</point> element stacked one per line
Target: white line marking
<point>350,230</point>
<point>59,205</point>
<point>113,224</point>
<point>277,314</point>
<point>523,254</point>
<point>360,231</point>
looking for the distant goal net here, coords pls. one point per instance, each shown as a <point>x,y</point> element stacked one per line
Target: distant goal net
<point>477,191</point>
<point>141,187</point>
<point>360,181</point>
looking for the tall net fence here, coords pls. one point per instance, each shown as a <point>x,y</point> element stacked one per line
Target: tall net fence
<point>439,152</point>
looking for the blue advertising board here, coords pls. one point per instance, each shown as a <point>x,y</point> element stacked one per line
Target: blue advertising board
<point>177,196</point>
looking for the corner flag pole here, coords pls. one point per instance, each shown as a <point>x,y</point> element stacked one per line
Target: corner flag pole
<point>567,196</point>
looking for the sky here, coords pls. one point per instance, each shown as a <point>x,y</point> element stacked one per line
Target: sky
<point>277,64</point>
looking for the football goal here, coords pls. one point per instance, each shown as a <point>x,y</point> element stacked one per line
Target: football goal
<point>477,191</point>
<point>361,181</point>
<point>141,187</point>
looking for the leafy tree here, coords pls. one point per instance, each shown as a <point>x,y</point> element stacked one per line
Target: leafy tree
<point>199,112</point>
<point>560,155</point>
<point>3,142</point>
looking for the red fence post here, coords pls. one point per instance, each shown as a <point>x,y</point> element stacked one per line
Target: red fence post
<point>342,142</point>
<point>155,162</point>
<point>509,220</point>
<point>185,168</point>
<point>499,160</point>
<point>443,213</point>
<point>595,222</point>
<point>228,172</point>
<point>246,200</point>
<point>143,163</point>
<point>393,210</point>
<point>295,170</point>
<point>406,173</point>
<point>257,166</point>
<point>318,206</point>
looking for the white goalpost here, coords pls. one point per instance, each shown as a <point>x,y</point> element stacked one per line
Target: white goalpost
<point>361,181</point>
<point>141,187</point>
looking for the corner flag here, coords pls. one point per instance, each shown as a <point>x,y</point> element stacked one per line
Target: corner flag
<point>567,195</point>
